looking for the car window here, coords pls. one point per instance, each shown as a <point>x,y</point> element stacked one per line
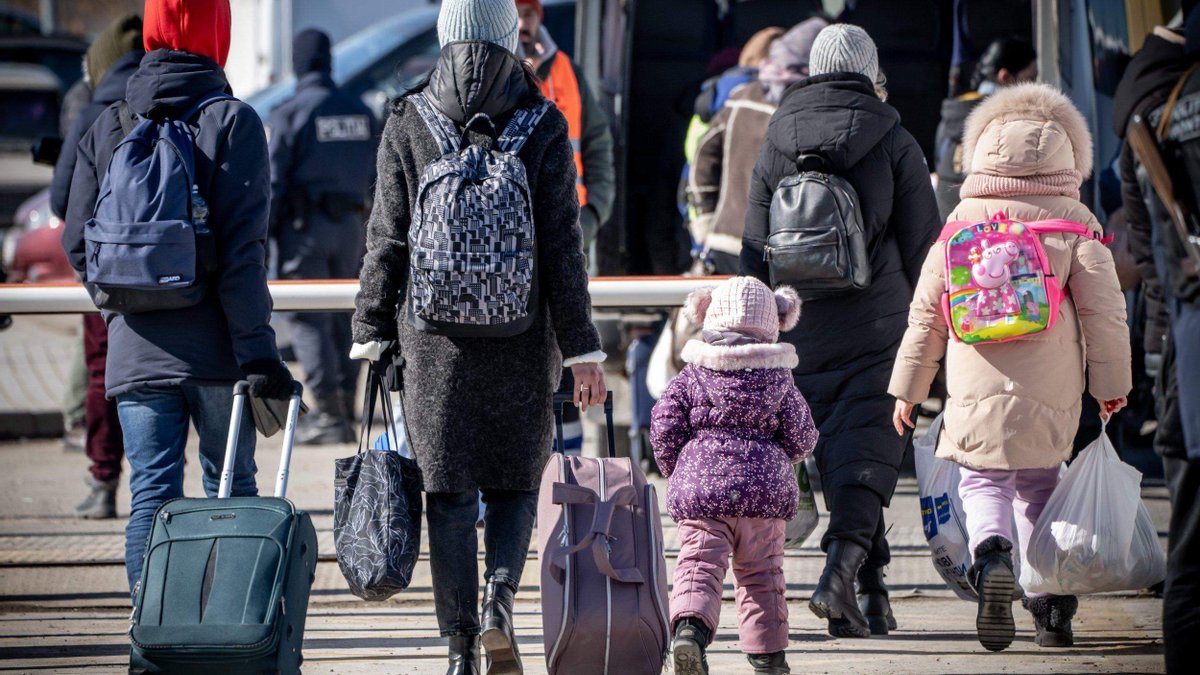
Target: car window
<point>27,115</point>
<point>397,73</point>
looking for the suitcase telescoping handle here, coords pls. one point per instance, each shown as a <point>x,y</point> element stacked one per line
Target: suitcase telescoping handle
<point>562,399</point>
<point>241,392</point>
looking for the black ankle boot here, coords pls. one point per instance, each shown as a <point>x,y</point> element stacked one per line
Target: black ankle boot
<point>688,647</point>
<point>464,655</point>
<point>834,598</point>
<point>774,663</point>
<point>873,600</point>
<point>1052,616</point>
<point>993,580</point>
<point>498,639</point>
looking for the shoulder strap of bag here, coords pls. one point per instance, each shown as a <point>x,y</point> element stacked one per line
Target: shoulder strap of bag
<point>444,132</point>
<point>1169,106</point>
<point>1060,225</point>
<point>521,126</point>
<point>126,117</point>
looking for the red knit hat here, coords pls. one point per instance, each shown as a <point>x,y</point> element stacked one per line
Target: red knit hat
<point>536,4</point>
<point>194,26</point>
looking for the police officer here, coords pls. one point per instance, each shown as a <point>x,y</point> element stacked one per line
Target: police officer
<point>322,143</point>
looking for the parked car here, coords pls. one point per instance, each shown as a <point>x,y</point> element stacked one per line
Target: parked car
<point>30,96</point>
<point>62,54</point>
<point>383,61</point>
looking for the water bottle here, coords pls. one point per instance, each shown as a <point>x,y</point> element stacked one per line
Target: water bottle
<point>199,211</point>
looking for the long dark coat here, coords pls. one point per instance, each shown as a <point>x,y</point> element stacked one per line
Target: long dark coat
<point>478,409</point>
<point>847,344</point>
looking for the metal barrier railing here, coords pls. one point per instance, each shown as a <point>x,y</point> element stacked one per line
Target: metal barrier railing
<point>608,293</point>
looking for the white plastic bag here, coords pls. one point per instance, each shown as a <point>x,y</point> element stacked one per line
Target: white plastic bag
<point>942,513</point>
<point>1095,534</point>
<point>802,525</point>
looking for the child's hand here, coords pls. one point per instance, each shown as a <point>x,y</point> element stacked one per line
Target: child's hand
<point>902,417</point>
<point>1110,408</point>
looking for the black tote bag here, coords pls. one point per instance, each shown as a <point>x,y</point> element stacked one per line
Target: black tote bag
<point>377,508</point>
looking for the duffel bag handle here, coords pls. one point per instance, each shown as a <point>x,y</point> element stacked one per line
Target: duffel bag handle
<point>599,534</point>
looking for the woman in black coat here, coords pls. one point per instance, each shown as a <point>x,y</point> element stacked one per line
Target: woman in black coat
<point>847,344</point>
<point>478,409</point>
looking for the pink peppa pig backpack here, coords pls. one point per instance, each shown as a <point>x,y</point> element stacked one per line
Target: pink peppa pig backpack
<point>999,285</point>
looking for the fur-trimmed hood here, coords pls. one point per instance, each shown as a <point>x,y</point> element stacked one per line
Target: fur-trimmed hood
<point>1027,130</point>
<point>741,357</point>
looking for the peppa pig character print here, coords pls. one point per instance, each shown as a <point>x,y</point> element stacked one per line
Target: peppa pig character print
<point>992,275</point>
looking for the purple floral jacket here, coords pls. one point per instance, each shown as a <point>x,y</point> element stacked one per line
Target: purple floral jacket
<point>727,431</point>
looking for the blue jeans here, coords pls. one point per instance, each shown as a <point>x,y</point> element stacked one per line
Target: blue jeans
<point>155,426</point>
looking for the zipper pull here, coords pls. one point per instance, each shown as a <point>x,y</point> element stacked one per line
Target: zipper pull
<point>766,253</point>
<point>96,253</point>
<point>165,516</point>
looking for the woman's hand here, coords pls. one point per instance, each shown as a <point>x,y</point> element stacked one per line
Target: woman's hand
<point>902,417</point>
<point>589,385</point>
<point>1110,408</point>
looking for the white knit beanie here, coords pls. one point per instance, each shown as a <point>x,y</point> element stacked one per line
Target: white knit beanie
<point>844,48</point>
<point>492,21</point>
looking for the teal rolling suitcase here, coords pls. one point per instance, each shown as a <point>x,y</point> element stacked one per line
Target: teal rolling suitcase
<point>226,581</point>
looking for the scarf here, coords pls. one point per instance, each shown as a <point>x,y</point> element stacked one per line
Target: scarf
<point>1059,183</point>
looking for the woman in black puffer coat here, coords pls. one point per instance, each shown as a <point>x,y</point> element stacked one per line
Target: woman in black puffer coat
<point>478,409</point>
<point>847,344</point>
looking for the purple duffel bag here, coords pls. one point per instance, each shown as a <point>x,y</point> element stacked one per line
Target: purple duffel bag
<point>604,578</point>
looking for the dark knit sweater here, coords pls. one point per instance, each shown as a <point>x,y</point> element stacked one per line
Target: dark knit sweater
<point>478,409</point>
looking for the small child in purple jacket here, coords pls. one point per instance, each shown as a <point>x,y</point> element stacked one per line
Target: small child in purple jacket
<point>726,433</point>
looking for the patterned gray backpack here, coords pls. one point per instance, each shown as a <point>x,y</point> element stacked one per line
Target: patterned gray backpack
<point>472,235</point>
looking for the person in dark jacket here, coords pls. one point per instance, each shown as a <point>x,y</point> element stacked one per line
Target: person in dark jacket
<point>719,179</point>
<point>1165,69</point>
<point>111,59</point>
<point>1006,62</point>
<point>167,367</point>
<point>322,146</point>
<point>848,343</point>
<point>478,410</point>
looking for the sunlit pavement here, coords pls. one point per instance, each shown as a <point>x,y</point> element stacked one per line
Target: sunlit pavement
<point>64,605</point>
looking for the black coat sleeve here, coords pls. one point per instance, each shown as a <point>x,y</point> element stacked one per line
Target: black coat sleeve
<point>64,168</point>
<point>84,189</point>
<point>385,266</point>
<point>239,198</point>
<point>1138,218</point>
<point>772,166</point>
<point>915,220</point>
<point>562,277</point>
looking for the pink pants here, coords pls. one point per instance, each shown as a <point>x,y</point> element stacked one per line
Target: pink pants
<point>991,499</point>
<point>756,544</point>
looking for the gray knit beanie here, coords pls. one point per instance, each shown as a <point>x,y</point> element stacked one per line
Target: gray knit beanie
<point>844,48</point>
<point>492,21</point>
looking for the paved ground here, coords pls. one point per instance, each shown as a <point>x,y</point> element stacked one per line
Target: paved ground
<point>64,607</point>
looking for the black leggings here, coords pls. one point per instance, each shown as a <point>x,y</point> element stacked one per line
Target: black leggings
<point>856,516</point>
<point>453,545</point>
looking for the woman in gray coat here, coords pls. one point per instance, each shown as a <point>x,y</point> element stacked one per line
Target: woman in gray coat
<point>479,409</point>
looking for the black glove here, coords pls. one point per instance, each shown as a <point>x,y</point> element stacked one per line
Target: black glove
<point>269,379</point>
<point>390,366</point>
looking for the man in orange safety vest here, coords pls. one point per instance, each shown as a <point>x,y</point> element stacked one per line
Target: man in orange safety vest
<point>587,123</point>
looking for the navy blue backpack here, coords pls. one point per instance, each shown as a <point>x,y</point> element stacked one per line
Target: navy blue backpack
<point>148,244</point>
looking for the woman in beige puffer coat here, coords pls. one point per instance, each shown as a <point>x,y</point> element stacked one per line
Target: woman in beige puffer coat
<point>1014,407</point>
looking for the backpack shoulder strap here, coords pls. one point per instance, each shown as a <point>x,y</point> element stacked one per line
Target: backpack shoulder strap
<point>126,117</point>
<point>1169,106</point>
<point>1063,226</point>
<point>443,130</point>
<point>951,228</point>
<point>199,106</point>
<point>521,126</point>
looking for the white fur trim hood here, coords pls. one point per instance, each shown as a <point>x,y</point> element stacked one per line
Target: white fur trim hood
<point>741,357</point>
<point>1021,129</point>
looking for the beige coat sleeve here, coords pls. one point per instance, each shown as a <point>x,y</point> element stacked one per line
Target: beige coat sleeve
<point>1096,291</point>
<point>924,342</point>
